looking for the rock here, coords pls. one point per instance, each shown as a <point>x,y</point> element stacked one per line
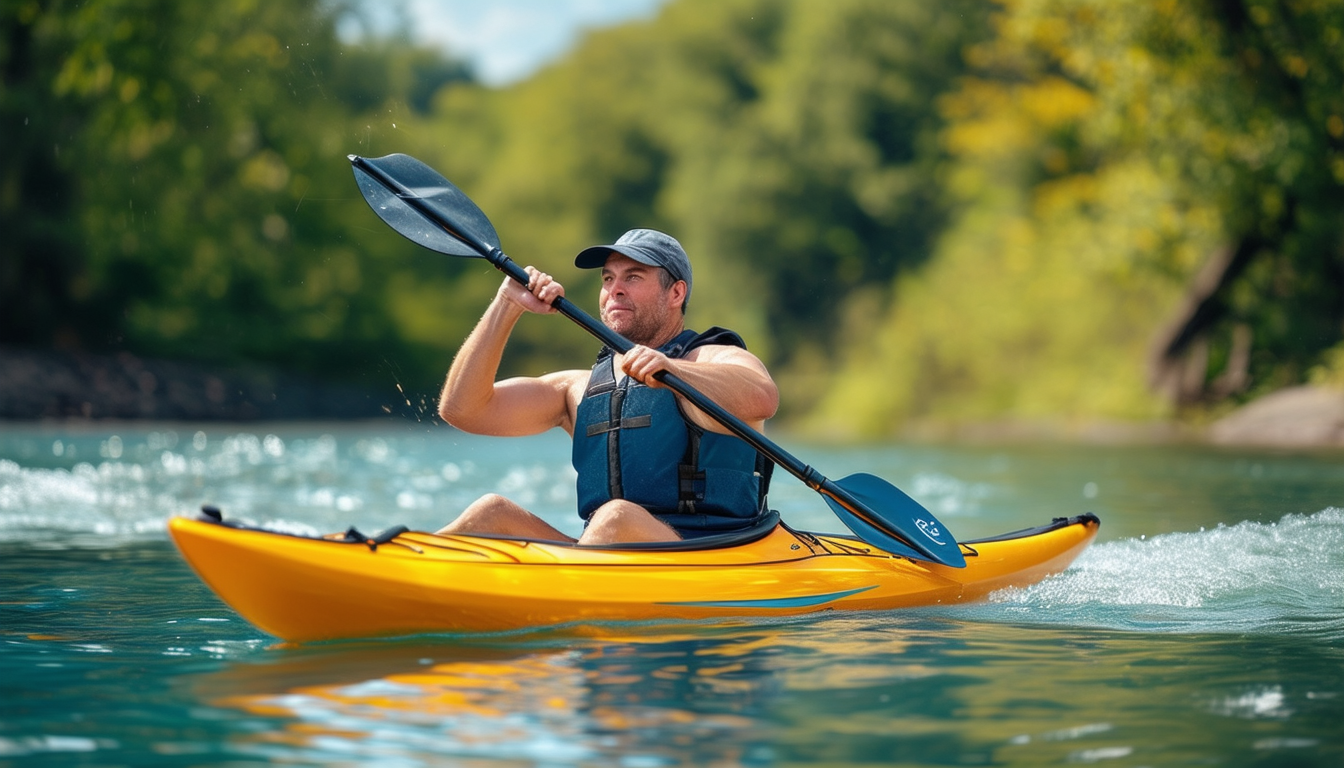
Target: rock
<point>51,384</point>
<point>1295,417</point>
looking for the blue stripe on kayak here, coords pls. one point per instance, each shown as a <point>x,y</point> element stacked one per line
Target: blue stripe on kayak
<point>777,602</point>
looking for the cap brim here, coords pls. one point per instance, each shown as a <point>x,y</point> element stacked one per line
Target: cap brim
<point>597,255</point>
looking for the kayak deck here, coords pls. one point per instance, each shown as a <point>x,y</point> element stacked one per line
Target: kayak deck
<point>302,589</point>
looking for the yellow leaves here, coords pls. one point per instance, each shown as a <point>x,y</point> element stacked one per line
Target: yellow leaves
<point>1051,34</point>
<point>991,119</point>
<point>982,123</point>
<point>1039,302</point>
<point>1017,246</point>
<point>1053,102</point>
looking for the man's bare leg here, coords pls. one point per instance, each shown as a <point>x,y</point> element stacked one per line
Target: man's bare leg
<point>495,515</point>
<point>619,521</point>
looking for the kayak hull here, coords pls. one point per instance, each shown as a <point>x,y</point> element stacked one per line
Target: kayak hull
<point>304,589</point>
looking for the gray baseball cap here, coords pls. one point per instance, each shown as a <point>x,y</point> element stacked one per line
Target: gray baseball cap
<point>647,246</point>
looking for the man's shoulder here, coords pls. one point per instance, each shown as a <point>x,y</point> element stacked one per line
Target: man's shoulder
<point>716,337</point>
<point>724,353</point>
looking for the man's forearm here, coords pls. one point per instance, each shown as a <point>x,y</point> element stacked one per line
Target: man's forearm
<point>471,378</point>
<point>733,378</point>
<point>748,394</point>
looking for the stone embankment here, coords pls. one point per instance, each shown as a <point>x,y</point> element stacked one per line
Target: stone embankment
<point>1294,417</point>
<point>44,384</point>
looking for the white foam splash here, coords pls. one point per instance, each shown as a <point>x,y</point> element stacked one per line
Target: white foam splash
<point>1287,574</point>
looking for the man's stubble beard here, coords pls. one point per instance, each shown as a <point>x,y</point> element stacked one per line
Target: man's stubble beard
<point>646,327</point>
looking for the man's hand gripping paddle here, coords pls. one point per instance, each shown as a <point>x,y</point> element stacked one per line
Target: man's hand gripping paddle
<point>427,209</point>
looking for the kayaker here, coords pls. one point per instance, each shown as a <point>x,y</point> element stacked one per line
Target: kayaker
<point>651,466</point>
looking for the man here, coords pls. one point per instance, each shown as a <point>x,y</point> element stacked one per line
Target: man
<point>651,466</point>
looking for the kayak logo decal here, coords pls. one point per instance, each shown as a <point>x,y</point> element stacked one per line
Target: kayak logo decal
<point>803,601</point>
<point>930,529</point>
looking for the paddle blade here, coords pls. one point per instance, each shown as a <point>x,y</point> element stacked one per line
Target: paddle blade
<point>423,206</point>
<point>870,534</point>
<point>880,514</point>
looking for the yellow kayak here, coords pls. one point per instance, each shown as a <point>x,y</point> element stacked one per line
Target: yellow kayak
<point>404,582</point>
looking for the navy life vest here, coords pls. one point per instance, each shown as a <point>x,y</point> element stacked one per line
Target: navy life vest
<point>632,442</point>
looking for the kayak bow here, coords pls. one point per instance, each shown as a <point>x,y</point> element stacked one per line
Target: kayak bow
<point>403,582</point>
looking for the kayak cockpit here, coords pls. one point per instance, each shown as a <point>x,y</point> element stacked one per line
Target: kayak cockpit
<point>759,529</point>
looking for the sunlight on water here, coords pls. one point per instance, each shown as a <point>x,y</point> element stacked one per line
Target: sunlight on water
<point>56,483</point>
<point>60,486</point>
<point>127,485</point>
<point>1203,627</point>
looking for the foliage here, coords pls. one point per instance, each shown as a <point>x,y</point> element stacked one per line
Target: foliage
<point>181,189</point>
<point>1037,209</point>
<point>792,147</point>
<point>1108,158</point>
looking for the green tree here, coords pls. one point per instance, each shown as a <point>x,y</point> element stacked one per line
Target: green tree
<point>792,147</point>
<point>182,189</point>
<point>826,187</point>
<point>1118,166</point>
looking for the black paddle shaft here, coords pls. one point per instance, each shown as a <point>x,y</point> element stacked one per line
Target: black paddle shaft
<point>454,215</point>
<point>508,266</point>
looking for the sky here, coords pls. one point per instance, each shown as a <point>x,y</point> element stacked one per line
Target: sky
<point>507,40</point>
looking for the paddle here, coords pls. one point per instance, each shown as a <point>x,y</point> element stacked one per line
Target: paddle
<point>427,209</point>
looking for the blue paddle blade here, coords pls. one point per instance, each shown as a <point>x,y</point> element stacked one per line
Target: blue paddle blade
<point>418,203</point>
<point>870,534</point>
<point>899,524</point>
<point>426,208</point>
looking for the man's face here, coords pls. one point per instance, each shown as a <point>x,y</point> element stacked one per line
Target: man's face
<point>634,303</point>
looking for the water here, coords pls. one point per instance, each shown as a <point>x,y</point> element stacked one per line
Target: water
<point>1205,627</point>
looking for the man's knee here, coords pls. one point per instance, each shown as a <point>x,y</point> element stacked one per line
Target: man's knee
<point>486,514</point>
<point>619,520</point>
<point>498,515</point>
<point>616,510</point>
<point>492,503</point>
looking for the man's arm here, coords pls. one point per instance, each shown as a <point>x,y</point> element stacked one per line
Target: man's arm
<point>474,402</point>
<point>730,376</point>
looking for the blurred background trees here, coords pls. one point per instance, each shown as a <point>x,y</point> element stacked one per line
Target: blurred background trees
<point>962,211</point>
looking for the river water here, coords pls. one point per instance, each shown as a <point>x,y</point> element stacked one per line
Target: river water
<point>1205,626</point>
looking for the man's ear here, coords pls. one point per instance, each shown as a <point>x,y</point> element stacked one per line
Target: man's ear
<point>677,294</point>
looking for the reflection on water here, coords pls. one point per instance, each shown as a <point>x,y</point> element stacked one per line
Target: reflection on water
<point>1205,627</point>
<point>844,690</point>
<point>559,706</point>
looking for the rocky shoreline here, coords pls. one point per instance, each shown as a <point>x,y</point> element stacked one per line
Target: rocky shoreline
<point>46,384</point>
<point>1293,417</point>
